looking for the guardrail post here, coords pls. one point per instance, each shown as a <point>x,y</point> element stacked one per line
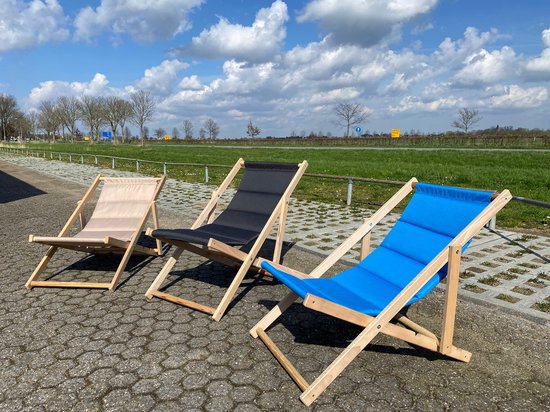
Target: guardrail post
<point>113,162</point>
<point>350,191</point>
<point>205,173</point>
<point>59,156</point>
<point>51,155</point>
<point>44,155</point>
<point>95,160</point>
<point>492,223</point>
<point>70,158</point>
<point>137,165</point>
<point>164,168</point>
<point>82,159</point>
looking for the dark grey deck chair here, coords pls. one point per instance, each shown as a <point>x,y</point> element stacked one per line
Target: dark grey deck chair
<point>261,199</point>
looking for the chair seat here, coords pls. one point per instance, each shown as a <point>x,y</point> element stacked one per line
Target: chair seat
<point>367,288</point>
<point>229,235</point>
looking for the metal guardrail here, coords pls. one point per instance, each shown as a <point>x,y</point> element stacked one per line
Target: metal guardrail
<point>165,165</point>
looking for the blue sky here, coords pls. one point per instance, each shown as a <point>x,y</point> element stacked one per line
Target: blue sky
<point>285,64</point>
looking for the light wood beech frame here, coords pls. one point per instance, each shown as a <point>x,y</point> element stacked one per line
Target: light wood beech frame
<point>221,252</point>
<point>406,329</point>
<point>107,245</point>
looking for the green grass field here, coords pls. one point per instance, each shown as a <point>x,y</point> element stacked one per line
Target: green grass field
<point>526,174</point>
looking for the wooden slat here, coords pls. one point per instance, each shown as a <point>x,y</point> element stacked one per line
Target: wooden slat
<point>53,284</point>
<point>274,313</point>
<point>280,233</point>
<point>184,302</point>
<point>282,359</point>
<point>365,246</point>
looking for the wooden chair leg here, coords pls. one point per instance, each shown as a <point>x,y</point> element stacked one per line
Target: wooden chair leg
<point>449,311</point>
<point>274,314</point>
<point>122,265</point>
<point>230,293</point>
<point>41,266</point>
<point>163,273</point>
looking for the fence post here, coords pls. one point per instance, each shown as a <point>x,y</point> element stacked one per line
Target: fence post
<point>113,163</point>
<point>82,159</point>
<point>350,191</point>
<point>137,165</point>
<point>492,223</point>
<point>95,160</point>
<point>70,158</point>
<point>51,155</point>
<point>44,155</point>
<point>205,173</point>
<point>59,156</point>
<point>164,168</point>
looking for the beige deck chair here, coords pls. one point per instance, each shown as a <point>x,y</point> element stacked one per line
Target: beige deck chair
<point>122,210</point>
<point>423,248</point>
<point>260,201</point>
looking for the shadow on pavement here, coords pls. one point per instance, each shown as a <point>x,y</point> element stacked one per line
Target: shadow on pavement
<point>12,189</point>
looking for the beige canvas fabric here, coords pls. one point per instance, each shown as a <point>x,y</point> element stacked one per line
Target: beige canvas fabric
<point>120,208</point>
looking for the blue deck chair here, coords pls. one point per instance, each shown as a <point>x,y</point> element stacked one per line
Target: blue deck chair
<point>423,247</point>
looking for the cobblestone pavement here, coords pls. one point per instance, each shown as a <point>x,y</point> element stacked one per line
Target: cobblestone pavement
<point>85,350</point>
<point>507,269</point>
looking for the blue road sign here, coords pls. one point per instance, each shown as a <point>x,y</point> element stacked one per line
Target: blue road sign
<point>107,135</point>
<point>358,130</point>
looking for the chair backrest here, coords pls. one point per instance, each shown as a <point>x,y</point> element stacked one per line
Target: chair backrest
<point>121,207</point>
<point>261,188</point>
<point>434,216</point>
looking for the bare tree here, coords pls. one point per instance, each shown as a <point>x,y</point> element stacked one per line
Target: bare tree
<point>69,112</point>
<point>48,120</point>
<point>8,109</point>
<point>175,133</point>
<point>188,129</point>
<point>143,108</point>
<point>212,128</point>
<point>117,112</point>
<point>160,133</point>
<point>92,114</point>
<point>252,130</point>
<point>466,119</point>
<point>202,133</point>
<point>32,118</point>
<point>350,114</point>
<point>127,134</point>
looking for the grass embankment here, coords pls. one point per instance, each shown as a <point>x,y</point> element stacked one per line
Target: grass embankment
<point>526,174</point>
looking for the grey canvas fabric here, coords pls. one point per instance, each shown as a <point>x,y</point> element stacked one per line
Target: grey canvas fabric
<point>261,188</point>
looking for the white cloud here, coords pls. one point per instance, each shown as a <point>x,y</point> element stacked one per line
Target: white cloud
<point>364,22</point>
<point>191,83</point>
<point>516,97</point>
<point>145,21</point>
<point>487,67</point>
<point>52,89</point>
<point>416,104</point>
<point>26,24</point>
<point>452,53</point>
<point>161,79</point>
<point>255,43</point>
<point>539,67</point>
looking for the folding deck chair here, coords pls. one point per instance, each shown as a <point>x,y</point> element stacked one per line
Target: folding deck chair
<point>261,198</point>
<point>121,212</point>
<point>423,247</point>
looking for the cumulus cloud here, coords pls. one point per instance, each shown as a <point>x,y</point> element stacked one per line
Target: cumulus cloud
<point>144,21</point>
<point>52,89</point>
<point>417,104</point>
<point>487,67</point>
<point>26,24</point>
<point>539,67</point>
<point>516,97</point>
<point>255,43</point>
<point>452,53</point>
<point>161,79</point>
<point>364,22</point>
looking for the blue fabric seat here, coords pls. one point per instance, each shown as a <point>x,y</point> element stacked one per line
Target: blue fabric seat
<point>433,217</point>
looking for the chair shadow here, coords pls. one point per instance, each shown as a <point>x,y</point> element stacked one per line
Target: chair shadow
<point>518,244</point>
<point>311,327</point>
<point>220,275</point>
<point>12,189</point>
<point>109,262</point>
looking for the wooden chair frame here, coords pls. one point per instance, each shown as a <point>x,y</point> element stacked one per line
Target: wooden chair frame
<point>407,330</point>
<point>224,253</point>
<point>108,245</point>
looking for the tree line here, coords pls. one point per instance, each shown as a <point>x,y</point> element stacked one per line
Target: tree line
<point>63,116</point>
